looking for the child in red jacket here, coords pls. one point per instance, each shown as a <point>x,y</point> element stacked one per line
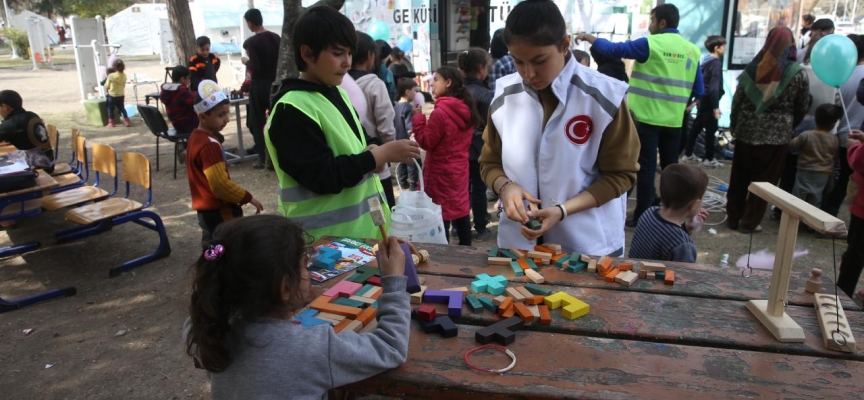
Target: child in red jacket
<point>446,138</point>
<point>853,259</point>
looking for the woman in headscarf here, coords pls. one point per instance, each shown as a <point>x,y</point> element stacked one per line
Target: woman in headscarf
<point>772,98</point>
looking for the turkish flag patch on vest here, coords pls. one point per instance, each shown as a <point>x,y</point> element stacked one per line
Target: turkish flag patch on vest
<point>579,129</point>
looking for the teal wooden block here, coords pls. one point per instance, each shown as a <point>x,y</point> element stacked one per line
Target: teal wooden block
<point>577,266</point>
<point>660,275</point>
<point>362,274</point>
<point>374,305</point>
<point>344,301</point>
<point>576,256</point>
<point>532,264</point>
<point>366,288</point>
<point>533,224</point>
<point>517,270</point>
<point>493,252</point>
<point>538,289</point>
<point>508,254</point>
<point>487,303</point>
<point>561,261</point>
<point>489,284</point>
<point>473,303</point>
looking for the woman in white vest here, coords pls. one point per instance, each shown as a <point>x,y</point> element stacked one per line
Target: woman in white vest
<point>561,137</point>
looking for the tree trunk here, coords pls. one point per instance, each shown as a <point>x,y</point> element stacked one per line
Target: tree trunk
<point>180,19</point>
<point>293,9</point>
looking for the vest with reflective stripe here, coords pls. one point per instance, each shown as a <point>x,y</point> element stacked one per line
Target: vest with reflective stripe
<point>661,86</point>
<point>343,214</point>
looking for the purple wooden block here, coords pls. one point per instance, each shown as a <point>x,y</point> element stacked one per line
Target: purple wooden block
<point>451,298</point>
<point>413,285</point>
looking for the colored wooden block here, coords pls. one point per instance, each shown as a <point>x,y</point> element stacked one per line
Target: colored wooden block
<point>509,312</point>
<point>507,303</point>
<point>331,316</point>
<point>354,326</point>
<point>327,257</point>
<point>533,224</point>
<point>584,258</point>
<point>537,289</point>
<point>413,285</point>
<point>650,275</point>
<point>561,260</point>
<point>443,325</point>
<point>493,285</point>
<point>535,312</point>
<point>417,298</point>
<point>502,332</point>
<point>576,266</point>
<point>343,289</point>
<point>592,266</point>
<point>375,280</point>
<point>498,300</point>
<point>474,304</point>
<point>518,253</point>
<point>365,289</point>
<point>342,325</point>
<point>345,301</point>
<point>374,292</point>
<point>643,273</point>
<point>361,299</point>
<point>604,266</point>
<point>363,273</point>
<point>524,292</point>
<point>462,289</point>
<point>452,299</point>
<point>652,266</point>
<point>533,301</point>
<point>426,313</point>
<point>517,270</point>
<point>307,319</point>
<point>545,317</point>
<point>572,307</point>
<point>487,303</point>
<point>508,254</point>
<point>625,266</point>
<point>832,319</point>
<point>499,260</point>
<point>523,312</point>
<point>523,263</point>
<point>627,278</point>
<point>659,275</point>
<point>539,254</point>
<point>555,247</point>
<point>517,297</point>
<point>322,303</point>
<point>531,264</point>
<point>669,279</point>
<point>610,277</point>
<point>534,276</point>
<point>493,252</point>
<point>367,315</point>
<point>543,249</point>
<point>371,326</point>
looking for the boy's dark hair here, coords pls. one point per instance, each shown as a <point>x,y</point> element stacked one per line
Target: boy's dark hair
<point>384,49</point>
<point>458,90</point>
<point>119,65</point>
<point>666,12</point>
<point>581,55</point>
<point>471,61</point>
<point>365,44</point>
<point>403,85</point>
<point>827,115</point>
<point>319,28</point>
<point>680,184</point>
<point>859,45</point>
<point>713,42</point>
<point>12,99</point>
<point>253,15</point>
<point>179,72</point>
<point>260,253</point>
<point>397,53</point>
<point>809,18</point>
<point>536,22</point>
<point>202,41</point>
<point>497,47</point>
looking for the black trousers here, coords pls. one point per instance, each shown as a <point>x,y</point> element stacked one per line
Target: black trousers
<point>653,138</point>
<point>463,229</point>
<point>256,116</point>
<point>208,220</point>
<point>387,184</point>
<point>478,198</point>
<point>704,120</point>
<point>853,259</point>
<point>832,200</point>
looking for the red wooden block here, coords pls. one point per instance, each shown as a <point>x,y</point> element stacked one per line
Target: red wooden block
<point>532,301</point>
<point>375,280</point>
<point>367,315</point>
<point>507,303</point>
<point>604,266</point>
<point>342,325</point>
<point>523,312</point>
<point>610,277</point>
<point>545,317</point>
<point>625,266</point>
<point>544,249</point>
<point>509,312</point>
<point>426,313</point>
<point>523,263</point>
<point>670,277</point>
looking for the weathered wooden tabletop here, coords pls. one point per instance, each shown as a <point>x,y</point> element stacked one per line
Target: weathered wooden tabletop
<point>695,339</point>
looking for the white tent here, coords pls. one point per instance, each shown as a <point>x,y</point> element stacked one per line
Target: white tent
<point>139,29</point>
<point>222,21</point>
<point>21,20</point>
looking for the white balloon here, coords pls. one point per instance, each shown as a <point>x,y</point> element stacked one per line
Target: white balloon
<point>355,94</point>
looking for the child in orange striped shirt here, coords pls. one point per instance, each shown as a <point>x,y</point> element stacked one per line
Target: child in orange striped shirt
<point>215,196</point>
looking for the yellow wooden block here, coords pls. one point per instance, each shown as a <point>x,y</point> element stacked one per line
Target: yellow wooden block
<point>572,307</point>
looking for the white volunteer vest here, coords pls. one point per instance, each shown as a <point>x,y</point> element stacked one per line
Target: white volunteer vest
<point>559,162</point>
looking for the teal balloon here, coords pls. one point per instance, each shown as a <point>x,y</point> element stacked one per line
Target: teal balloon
<point>378,30</point>
<point>405,43</point>
<point>833,59</point>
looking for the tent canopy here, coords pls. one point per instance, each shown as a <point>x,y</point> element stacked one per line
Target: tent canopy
<point>22,19</point>
<point>137,29</point>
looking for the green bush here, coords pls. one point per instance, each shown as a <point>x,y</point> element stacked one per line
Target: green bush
<point>19,41</point>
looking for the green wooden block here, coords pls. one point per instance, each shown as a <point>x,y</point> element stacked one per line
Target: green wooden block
<point>366,288</point>
<point>532,264</point>
<point>517,270</point>
<point>538,289</point>
<point>561,261</point>
<point>508,254</point>
<point>493,252</point>
<point>661,275</point>
<point>473,303</point>
<point>344,301</point>
<point>577,266</point>
<point>362,274</point>
<point>533,224</point>
<point>374,305</point>
<point>576,256</point>
<point>488,304</point>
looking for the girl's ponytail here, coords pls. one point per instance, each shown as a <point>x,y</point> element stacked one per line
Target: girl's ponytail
<point>210,315</point>
<point>458,90</point>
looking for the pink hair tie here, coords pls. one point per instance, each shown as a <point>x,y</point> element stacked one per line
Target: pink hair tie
<point>214,252</point>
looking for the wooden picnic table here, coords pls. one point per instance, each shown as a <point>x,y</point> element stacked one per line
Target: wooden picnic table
<point>694,339</point>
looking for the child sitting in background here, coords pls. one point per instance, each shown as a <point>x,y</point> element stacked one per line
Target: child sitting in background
<point>215,196</point>
<point>817,151</point>
<point>247,287</point>
<point>663,233</point>
<point>179,101</point>
<point>406,89</point>
<point>25,130</point>
<point>204,64</point>
<point>115,85</point>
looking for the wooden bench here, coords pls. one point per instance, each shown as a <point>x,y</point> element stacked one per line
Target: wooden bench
<point>104,163</point>
<point>80,174</point>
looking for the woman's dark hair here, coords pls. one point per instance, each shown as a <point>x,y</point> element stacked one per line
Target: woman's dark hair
<point>536,22</point>
<point>458,90</point>
<point>713,42</point>
<point>12,99</point>
<point>119,65</point>
<point>809,18</point>
<point>202,41</point>
<point>497,47</point>
<point>473,60</point>
<point>319,28</point>
<point>384,49</point>
<point>581,55</point>
<point>859,44</point>
<point>827,115</point>
<point>666,12</point>
<point>261,253</point>
<point>365,44</point>
<point>254,16</point>
<point>397,53</point>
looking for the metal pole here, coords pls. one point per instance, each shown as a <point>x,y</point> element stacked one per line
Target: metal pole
<point>30,34</point>
<point>9,25</point>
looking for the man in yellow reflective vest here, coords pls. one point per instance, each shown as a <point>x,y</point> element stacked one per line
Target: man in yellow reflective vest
<point>666,76</point>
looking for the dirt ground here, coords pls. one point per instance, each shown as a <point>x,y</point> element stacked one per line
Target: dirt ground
<point>78,348</point>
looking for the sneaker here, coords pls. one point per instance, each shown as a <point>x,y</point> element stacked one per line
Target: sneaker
<point>482,236</point>
<point>712,164</point>
<point>757,229</point>
<point>691,159</point>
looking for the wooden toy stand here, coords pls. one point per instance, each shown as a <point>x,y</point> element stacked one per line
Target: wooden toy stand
<point>771,312</point>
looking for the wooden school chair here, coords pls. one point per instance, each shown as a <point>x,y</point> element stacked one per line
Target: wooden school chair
<point>61,168</point>
<point>102,216</point>
<point>82,170</point>
<point>104,163</point>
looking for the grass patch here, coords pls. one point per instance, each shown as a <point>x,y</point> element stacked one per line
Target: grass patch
<point>61,57</point>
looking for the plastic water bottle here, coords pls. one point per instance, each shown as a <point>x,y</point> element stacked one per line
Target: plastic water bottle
<point>724,260</point>
<point>697,224</point>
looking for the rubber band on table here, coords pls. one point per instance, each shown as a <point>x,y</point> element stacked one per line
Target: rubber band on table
<point>496,347</point>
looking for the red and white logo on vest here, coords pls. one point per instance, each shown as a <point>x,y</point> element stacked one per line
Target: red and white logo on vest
<point>579,129</point>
